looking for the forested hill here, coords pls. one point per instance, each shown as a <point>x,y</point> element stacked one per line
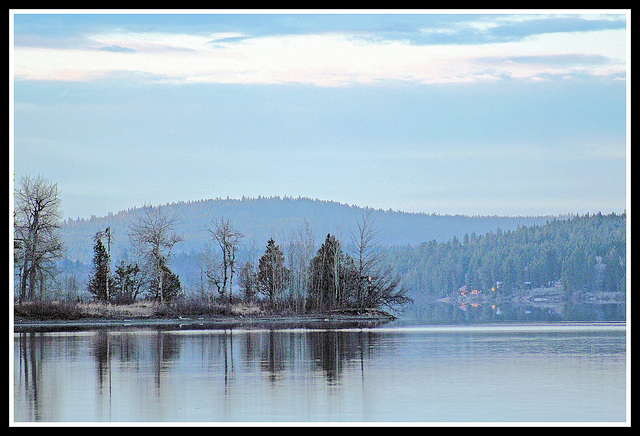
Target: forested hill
<point>264,217</point>
<point>585,253</point>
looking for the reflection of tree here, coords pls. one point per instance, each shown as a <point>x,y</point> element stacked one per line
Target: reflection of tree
<point>168,348</point>
<point>227,349</point>
<point>31,357</point>
<point>102,353</point>
<point>131,365</point>
<point>332,350</point>
<point>129,347</point>
<point>326,352</point>
<point>273,354</point>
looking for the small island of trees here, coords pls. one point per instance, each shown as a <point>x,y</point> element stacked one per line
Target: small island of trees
<point>308,281</point>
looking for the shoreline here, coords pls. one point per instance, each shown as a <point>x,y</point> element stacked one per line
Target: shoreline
<point>271,322</point>
<point>318,321</point>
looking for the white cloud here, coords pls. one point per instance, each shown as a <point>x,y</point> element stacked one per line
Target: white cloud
<point>157,41</point>
<point>328,59</point>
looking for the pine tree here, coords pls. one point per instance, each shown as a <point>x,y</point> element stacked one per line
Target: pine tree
<point>100,280</point>
<point>273,276</point>
<point>171,286</point>
<point>127,282</point>
<point>324,275</point>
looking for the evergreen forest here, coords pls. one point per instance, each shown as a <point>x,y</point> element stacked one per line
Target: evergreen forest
<point>584,254</point>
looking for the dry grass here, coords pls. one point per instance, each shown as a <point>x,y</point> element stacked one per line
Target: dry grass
<point>245,309</point>
<point>103,310</point>
<point>141,309</point>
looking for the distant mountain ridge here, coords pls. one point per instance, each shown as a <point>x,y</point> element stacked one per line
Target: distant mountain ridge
<point>264,217</point>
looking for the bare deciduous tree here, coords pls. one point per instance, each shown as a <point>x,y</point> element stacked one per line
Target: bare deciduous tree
<point>36,241</point>
<point>153,237</point>
<point>376,284</point>
<point>228,239</point>
<point>299,254</point>
<point>367,254</point>
<point>247,281</point>
<point>210,267</point>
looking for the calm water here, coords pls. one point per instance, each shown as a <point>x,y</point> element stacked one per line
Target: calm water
<point>501,373</point>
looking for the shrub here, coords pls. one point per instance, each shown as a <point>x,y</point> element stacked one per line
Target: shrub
<point>48,310</point>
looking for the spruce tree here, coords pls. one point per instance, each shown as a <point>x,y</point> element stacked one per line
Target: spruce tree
<point>171,287</point>
<point>324,275</point>
<point>100,280</point>
<point>273,276</point>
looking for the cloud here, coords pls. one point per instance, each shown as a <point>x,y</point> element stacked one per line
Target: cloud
<point>492,28</point>
<point>117,49</point>
<point>333,58</point>
<point>521,27</point>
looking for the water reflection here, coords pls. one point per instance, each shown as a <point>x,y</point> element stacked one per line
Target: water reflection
<point>297,374</point>
<point>50,368</point>
<point>28,359</point>
<point>475,313</point>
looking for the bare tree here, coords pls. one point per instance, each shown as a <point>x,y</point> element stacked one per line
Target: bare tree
<point>212,269</point>
<point>228,239</point>
<point>383,288</point>
<point>153,236</point>
<point>299,254</point>
<point>367,254</point>
<point>37,244</point>
<point>248,281</point>
<point>376,284</point>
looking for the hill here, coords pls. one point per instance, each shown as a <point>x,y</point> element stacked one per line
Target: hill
<point>264,217</point>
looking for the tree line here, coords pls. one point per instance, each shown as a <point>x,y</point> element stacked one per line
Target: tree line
<point>585,253</point>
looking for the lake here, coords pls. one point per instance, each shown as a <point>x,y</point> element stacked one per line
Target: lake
<point>419,374</point>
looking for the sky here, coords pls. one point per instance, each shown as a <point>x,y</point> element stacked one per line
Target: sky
<point>469,112</point>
